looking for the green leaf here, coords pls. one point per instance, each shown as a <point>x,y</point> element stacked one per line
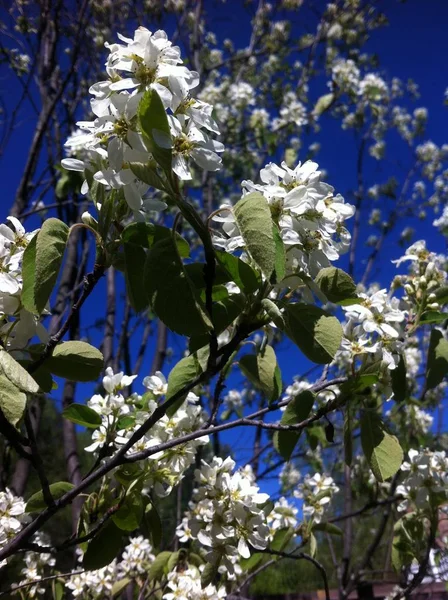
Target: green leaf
<point>148,234</point>
<point>297,410</point>
<point>186,370</point>
<point>442,295</point>
<point>154,126</point>
<point>12,400</point>
<point>433,316</point>
<point>248,564</point>
<point>41,375</point>
<point>103,548</point>
<point>130,513</point>
<point>399,382</point>
<point>37,503</point>
<point>134,260</point>
<point>382,450</point>
<point>437,365</point>
<point>157,568</point>
<point>313,545</point>
<point>208,574</point>
<point>280,256</point>
<point>195,272</point>
<point>337,286</point>
<point>82,415</point>
<point>29,276</point>
<point>253,217</point>
<point>282,537</point>
<point>263,371</point>
<point>147,174</point>
<point>240,272</point>
<point>119,586</point>
<point>316,333</point>
<point>323,104</point>
<point>172,295</point>
<point>50,247</point>
<point>17,374</point>
<point>274,312</point>
<point>328,528</point>
<point>154,525</point>
<point>76,361</point>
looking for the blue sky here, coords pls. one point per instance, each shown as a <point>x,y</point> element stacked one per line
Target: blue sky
<point>414,45</point>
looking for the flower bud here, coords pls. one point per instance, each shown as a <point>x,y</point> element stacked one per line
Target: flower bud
<point>87,219</point>
<point>423,283</point>
<point>434,306</point>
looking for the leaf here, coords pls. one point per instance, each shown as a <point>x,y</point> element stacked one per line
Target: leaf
<point>37,503</point>
<point>130,513</point>
<point>154,524</point>
<point>323,104</point>
<point>82,415</point>
<point>313,545</point>
<point>263,371</point>
<point>248,564</point>
<point>337,286</point>
<point>186,370</point>
<point>12,401</point>
<point>103,548</point>
<point>433,316</point>
<point>172,294</point>
<point>147,174</point>
<point>208,575</point>
<point>50,247</point>
<point>274,312</point>
<point>134,260</point>
<point>76,361</point>
<point>156,570</point>
<point>348,437</point>
<point>399,382</point>
<point>195,272</point>
<point>240,272</point>
<point>297,410</point>
<point>328,528</point>
<point>119,586</point>
<point>282,537</point>
<point>29,277</point>
<point>148,234</point>
<point>316,333</point>
<point>154,124</point>
<point>17,374</point>
<point>382,450</point>
<point>280,257</point>
<point>437,364</point>
<point>253,217</point>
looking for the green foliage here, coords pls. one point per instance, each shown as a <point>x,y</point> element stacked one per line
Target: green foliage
<point>12,400</point>
<point>76,361</point>
<point>130,513</point>
<point>183,373</point>
<point>147,235</point>
<point>297,410</point>
<point>155,128</point>
<point>82,415</point>
<point>263,371</point>
<point>316,333</point>
<point>103,548</point>
<point>148,174</point>
<point>37,503</point>
<point>437,365</point>
<point>172,294</point>
<point>158,566</point>
<point>240,272</point>
<point>17,374</point>
<point>399,381</point>
<point>337,286</point>
<point>41,264</point>
<point>253,217</point>
<point>382,450</point>
<point>134,260</point>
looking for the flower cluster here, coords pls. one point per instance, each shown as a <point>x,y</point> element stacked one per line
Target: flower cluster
<point>187,584</point>
<point>309,217</point>
<point>283,515</point>
<point>316,493</point>
<point>12,517</point>
<point>37,565</point>
<point>114,139</point>
<point>122,416</point>
<point>226,513</point>
<point>136,559</point>
<point>426,477</point>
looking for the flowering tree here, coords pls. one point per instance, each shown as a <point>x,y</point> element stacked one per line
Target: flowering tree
<point>148,195</point>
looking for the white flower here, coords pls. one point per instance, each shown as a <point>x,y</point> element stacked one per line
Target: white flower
<point>156,383</point>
